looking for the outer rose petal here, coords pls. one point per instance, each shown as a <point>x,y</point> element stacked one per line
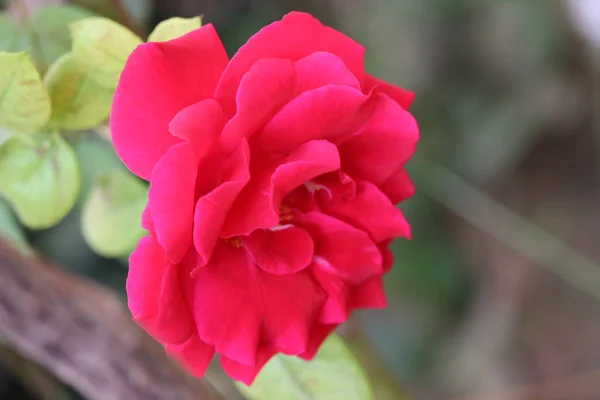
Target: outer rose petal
<point>369,295</point>
<point>263,91</point>
<point>258,205</point>
<point>193,354</point>
<point>402,96</point>
<point>171,199</point>
<point>158,80</point>
<point>147,268</point>
<point>282,251</point>
<point>329,112</point>
<point>335,310</point>
<point>201,124</point>
<point>398,187</point>
<point>382,145</point>
<point>296,36</point>
<point>320,69</point>
<point>246,373</point>
<point>318,335</point>
<point>237,306</point>
<point>370,210</point>
<point>212,208</point>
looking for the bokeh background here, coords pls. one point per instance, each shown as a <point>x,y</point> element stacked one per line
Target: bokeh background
<point>498,294</point>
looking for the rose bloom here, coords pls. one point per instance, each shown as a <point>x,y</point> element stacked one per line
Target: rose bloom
<point>273,178</point>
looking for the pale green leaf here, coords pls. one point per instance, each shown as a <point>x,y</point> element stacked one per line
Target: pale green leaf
<point>334,374</point>
<point>78,102</point>
<point>50,28</point>
<point>40,178</point>
<point>173,28</point>
<point>10,229</point>
<point>102,46</point>
<point>24,103</point>
<point>111,215</point>
<point>12,36</point>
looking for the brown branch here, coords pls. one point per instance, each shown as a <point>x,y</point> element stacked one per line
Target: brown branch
<point>83,335</point>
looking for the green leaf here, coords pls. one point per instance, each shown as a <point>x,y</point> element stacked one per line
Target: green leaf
<point>39,178</point>
<point>102,46</point>
<point>334,374</point>
<point>12,36</point>
<point>10,228</point>
<point>78,102</point>
<point>111,215</point>
<point>50,26</point>
<point>173,28</point>
<point>24,103</point>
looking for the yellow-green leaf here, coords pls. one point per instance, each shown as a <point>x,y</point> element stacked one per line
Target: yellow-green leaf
<point>10,229</point>
<point>111,215</point>
<point>334,374</point>
<point>50,31</point>
<point>78,102</point>
<point>24,103</point>
<point>40,178</point>
<point>102,46</point>
<point>12,36</point>
<point>173,28</point>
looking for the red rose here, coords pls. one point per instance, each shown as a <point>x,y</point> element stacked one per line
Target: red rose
<point>273,178</point>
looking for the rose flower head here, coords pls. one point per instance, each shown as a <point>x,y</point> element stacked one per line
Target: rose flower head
<point>273,183</point>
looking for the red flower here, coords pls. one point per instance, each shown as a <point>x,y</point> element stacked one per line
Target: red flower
<point>273,178</point>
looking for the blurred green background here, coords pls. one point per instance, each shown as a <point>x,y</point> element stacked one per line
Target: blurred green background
<point>498,294</point>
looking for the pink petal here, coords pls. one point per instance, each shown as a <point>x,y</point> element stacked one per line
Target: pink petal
<point>382,145</point>
<point>328,112</point>
<point>158,80</point>
<point>320,69</point>
<point>398,187</point>
<point>386,254</point>
<point>370,210</point>
<point>228,304</point>
<point>402,96</point>
<point>147,222</point>
<point>317,337</point>
<point>369,294</point>
<point>147,268</point>
<point>283,251</point>
<point>335,310</point>
<point>263,91</point>
<point>212,209</point>
<point>296,36</point>
<point>192,354</point>
<point>342,249</point>
<point>201,123</point>
<point>258,205</point>
<point>238,307</point>
<point>171,199</point>
<point>246,373</point>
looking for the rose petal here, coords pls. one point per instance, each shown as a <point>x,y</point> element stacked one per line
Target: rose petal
<point>263,91</point>
<point>328,112</point>
<point>158,80</point>
<point>296,36</point>
<point>370,210</point>
<point>369,294</point>
<point>171,199</point>
<point>317,337</point>
<point>283,251</point>
<point>246,373</point>
<point>333,239</point>
<point>257,207</point>
<point>320,69</point>
<point>398,187</point>
<point>201,123</point>
<point>192,354</point>
<point>335,310</point>
<point>402,96</point>
<point>212,209</point>
<point>237,306</point>
<point>147,267</point>
<point>382,145</point>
